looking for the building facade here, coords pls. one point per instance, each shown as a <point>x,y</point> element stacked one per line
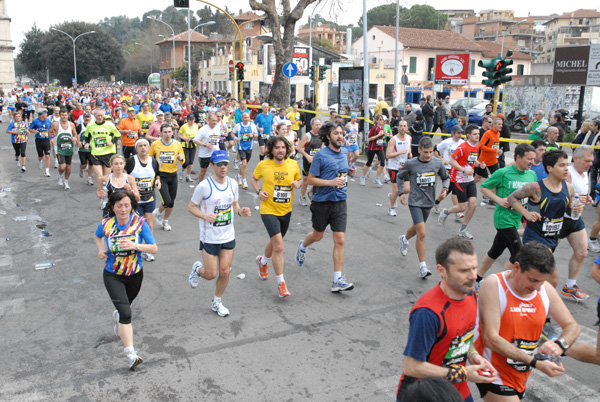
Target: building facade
<point>7,60</point>
<point>576,28</point>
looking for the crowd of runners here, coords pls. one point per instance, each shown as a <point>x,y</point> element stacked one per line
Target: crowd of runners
<point>136,144</point>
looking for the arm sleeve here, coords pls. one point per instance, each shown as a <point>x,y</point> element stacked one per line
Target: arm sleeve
<point>155,166</point>
<point>424,329</point>
<point>483,143</point>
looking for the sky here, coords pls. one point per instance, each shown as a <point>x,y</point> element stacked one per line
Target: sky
<point>24,13</point>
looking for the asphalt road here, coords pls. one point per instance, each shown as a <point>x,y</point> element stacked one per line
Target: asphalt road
<point>58,342</point>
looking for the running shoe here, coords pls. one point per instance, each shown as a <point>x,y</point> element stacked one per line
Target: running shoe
<point>116,320</point>
<point>55,163</point>
<point>236,164</point>
<point>245,184</point>
<point>81,173</point>
<point>369,172</point>
<point>263,270</point>
<point>283,290</point>
<point>392,212</point>
<point>443,216</point>
<point>303,201</point>
<point>574,293</point>
<point>166,226</point>
<point>148,257</point>
<point>133,359</point>
<point>194,277</point>
<point>47,174</point>
<point>300,255</point>
<point>437,209</point>
<point>67,187</point>
<point>23,169</point>
<point>341,285</point>
<point>157,216</point>
<point>188,178</point>
<point>378,182</point>
<point>362,181</point>
<point>239,179</point>
<point>181,176</point>
<point>61,181</point>
<point>40,165</point>
<point>90,182</point>
<point>459,216</point>
<point>18,163</point>
<point>549,332</point>
<point>425,272</point>
<point>403,245</point>
<point>220,309</point>
<point>593,246</point>
<point>465,235</point>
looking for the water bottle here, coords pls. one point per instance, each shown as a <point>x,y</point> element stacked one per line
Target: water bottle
<point>20,218</point>
<point>575,202</point>
<point>104,200</point>
<point>43,265</point>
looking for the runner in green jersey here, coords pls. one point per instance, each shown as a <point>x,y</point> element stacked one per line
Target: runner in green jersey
<point>101,137</point>
<point>506,220</point>
<point>64,136</point>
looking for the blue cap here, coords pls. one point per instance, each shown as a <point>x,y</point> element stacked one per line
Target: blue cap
<point>219,156</point>
<point>353,115</point>
<point>41,112</point>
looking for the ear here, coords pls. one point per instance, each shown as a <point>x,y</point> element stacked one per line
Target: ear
<point>441,270</point>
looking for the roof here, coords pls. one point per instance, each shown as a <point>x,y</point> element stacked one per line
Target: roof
<point>430,39</point>
<point>183,37</point>
<point>248,15</point>
<point>581,13</point>
<point>491,50</point>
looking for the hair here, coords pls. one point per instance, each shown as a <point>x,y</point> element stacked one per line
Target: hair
<point>312,121</point>
<point>496,119</point>
<point>490,105</point>
<point>557,116</point>
<point>278,127</point>
<point>377,117</point>
<point>327,128</point>
<point>117,196</point>
<point>425,143</point>
<point>537,143</point>
<point>537,256</point>
<point>460,245</point>
<point>115,156</point>
<point>585,126</point>
<point>63,110</point>
<point>469,129</point>
<point>486,118</point>
<point>551,157</point>
<point>522,149</point>
<point>432,389</point>
<point>273,141</point>
<point>395,112</point>
<point>164,125</point>
<point>462,119</point>
<point>581,150</point>
<point>596,123</point>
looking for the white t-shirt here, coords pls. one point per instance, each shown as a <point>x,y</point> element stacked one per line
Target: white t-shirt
<point>447,147</point>
<point>205,135</point>
<point>212,198</point>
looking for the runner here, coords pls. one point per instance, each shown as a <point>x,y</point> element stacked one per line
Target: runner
<point>309,145</point>
<point>538,166</point>
<point>490,150</point>
<point>512,309</point>
<point>123,233</point>
<point>444,151</point>
<point>40,128</point>
<point>117,179</point>
<point>417,177</point>
<point>154,133</point>
<point>18,130</point>
<point>167,152</point>
<point>207,140</point>
<point>442,325</point>
<point>280,176</point>
<point>375,147</point>
<point>85,155</point>
<point>145,117</point>
<point>186,135</point>
<point>398,152</point>
<point>507,220</point>
<point>103,137</point>
<point>245,133</point>
<point>264,124</point>
<point>130,129</point>
<point>54,118</point>
<point>352,140</point>
<point>64,135</point>
<point>329,176</point>
<point>214,203</point>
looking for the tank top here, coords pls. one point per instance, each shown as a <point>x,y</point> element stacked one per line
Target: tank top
<point>521,324</point>
<point>398,161</point>
<point>111,188</point>
<point>64,139</point>
<point>313,145</point>
<point>144,178</point>
<point>551,207</point>
<point>220,202</point>
<point>580,183</point>
<point>352,134</point>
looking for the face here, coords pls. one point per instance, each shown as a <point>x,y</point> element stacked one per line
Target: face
<point>283,130</point>
<point>145,107</point>
<point>408,108</point>
<point>279,151</point>
<point>538,116</point>
<point>87,119</point>
<point>456,136</point>
<point>552,135</point>
<point>426,154</point>
<point>160,118</point>
<point>18,117</point>
<point>553,119</point>
<point>56,111</point>
<point>526,282</point>
<point>220,169</point>
<point>560,170</point>
<point>539,153</point>
<point>131,114</point>
<point>526,161</point>
<point>64,116</point>
<point>486,124</point>
<point>474,136</point>
<point>336,138</point>
<point>99,115</point>
<point>461,272</point>
<point>117,165</point>
<point>265,108</point>
<point>122,208</point>
<point>242,105</point>
<point>380,121</point>
<point>498,125</point>
<point>142,148</point>
<point>167,133</point>
<point>212,121</point>
<point>583,163</point>
<point>488,108</point>
<point>402,127</point>
<point>245,118</point>
<point>295,108</point>
<point>316,126</point>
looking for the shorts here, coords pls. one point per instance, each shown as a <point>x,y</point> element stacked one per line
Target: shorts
<point>352,148</point>
<point>101,160</point>
<point>85,157</point>
<point>261,141</point>
<point>333,213</point>
<point>42,145</point>
<point>570,226</point>
<point>129,151</point>
<point>245,155</point>
<point>215,249</point>
<point>507,238</point>
<point>503,390</point>
<point>64,159</point>
<point>484,172</point>
<point>146,207</point>
<point>276,224</point>
<point>531,235</point>
<point>419,214</point>
<point>12,108</point>
<point>204,162</point>
<point>464,191</point>
<point>380,156</point>
<point>305,167</point>
<point>20,149</point>
<point>392,173</point>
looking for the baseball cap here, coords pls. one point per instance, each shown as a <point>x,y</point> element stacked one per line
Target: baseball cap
<point>41,112</point>
<point>501,115</point>
<point>219,156</point>
<point>353,115</point>
<point>87,115</point>
<point>107,117</point>
<point>160,113</point>
<point>130,109</point>
<point>190,116</point>
<point>457,129</point>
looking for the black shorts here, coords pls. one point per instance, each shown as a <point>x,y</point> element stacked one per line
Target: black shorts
<point>215,249</point>
<point>64,159</point>
<point>85,157</point>
<point>101,160</point>
<point>204,162</point>
<point>380,156</point>
<point>245,155</point>
<point>484,172</point>
<point>507,238</point>
<point>418,214</point>
<point>464,191</point>
<point>503,390</point>
<point>129,151</point>
<point>333,213</point>
<point>42,145</point>
<point>570,226</point>
<point>261,141</point>
<point>276,224</point>
<point>392,173</point>
<point>305,167</point>
<point>20,149</point>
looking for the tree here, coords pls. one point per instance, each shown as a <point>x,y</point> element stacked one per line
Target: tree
<point>283,44</point>
<point>419,16</point>
<point>325,43</point>
<point>31,57</point>
<point>122,28</point>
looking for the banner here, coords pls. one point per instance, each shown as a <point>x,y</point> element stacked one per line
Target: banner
<point>452,69</point>
<point>350,89</point>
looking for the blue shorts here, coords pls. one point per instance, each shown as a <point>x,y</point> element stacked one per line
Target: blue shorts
<point>571,226</point>
<point>215,249</point>
<point>352,148</point>
<point>10,108</point>
<point>146,207</point>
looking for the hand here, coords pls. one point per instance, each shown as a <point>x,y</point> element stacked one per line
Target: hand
<point>127,187</point>
<point>52,141</point>
<point>263,195</point>
<point>209,145</point>
<point>101,194</point>
<point>351,172</point>
<point>550,348</point>
<point>585,199</point>
<point>474,376</point>
<point>482,165</point>
<point>211,218</point>
<point>87,146</point>
<point>180,158</point>
<point>127,244</point>
<point>444,192</point>
<point>469,171</point>
<point>549,368</point>
<point>478,359</point>
<point>157,184</point>
<point>532,216</point>
<point>296,184</point>
<point>102,254</point>
<point>245,211</point>
<point>579,208</point>
<point>403,199</point>
<point>338,182</point>
<point>109,143</point>
<point>309,159</point>
<point>499,153</point>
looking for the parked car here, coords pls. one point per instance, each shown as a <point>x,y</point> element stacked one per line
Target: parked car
<point>462,105</point>
<point>476,113</point>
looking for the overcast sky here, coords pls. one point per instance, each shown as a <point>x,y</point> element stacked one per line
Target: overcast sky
<point>46,13</point>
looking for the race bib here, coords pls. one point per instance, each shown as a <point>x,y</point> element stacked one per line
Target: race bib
<point>313,152</point>
<point>132,134</point>
<point>459,349</point>
<point>472,158</point>
<point>214,139</point>
<point>245,137</point>
<point>113,244</point>
<point>282,194</point>
<point>145,188</point>
<point>100,142</point>
<point>343,175</point>
<point>379,142</point>
<point>425,180</point>
<point>167,157</point>
<point>66,145</point>
<point>526,346</point>
<point>223,216</point>
<point>145,125</point>
<point>551,227</point>
<point>265,137</point>
<point>44,133</point>
<point>496,145</point>
<point>352,140</point>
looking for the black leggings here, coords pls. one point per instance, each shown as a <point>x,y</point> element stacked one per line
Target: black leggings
<point>168,189</point>
<point>505,239</point>
<point>129,151</point>
<point>123,290</point>
<point>20,149</point>
<point>380,156</point>
<point>190,154</point>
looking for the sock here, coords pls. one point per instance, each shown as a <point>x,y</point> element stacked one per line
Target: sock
<point>337,275</point>
<point>261,157</point>
<point>216,299</point>
<point>280,279</point>
<point>422,264</point>
<point>302,247</point>
<point>129,350</point>
<point>592,238</point>
<point>479,278</point>
<point>165,221</point>
<point>463,227</point>
<point>571,282</point>
<point>264,260</point>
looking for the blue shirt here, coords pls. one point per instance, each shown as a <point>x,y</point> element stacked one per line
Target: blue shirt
<point>42,126</point>
<point>264,121</point>
<point>14,138</point>
<point>539,171</point>
<point>166,107</point>
<point>327,165</point>
<point>246,135</point>
<point>238,114</point>
<point>424,330</point>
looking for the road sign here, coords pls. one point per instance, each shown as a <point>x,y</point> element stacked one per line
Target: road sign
<point>290,70</point>
<point>404,79</point>
<point>231,66</point>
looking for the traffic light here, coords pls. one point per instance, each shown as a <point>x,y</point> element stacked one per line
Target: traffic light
<point>231,76</point>
<point>503,71</point>
<point>312,71</point>
<point>181,3</point>
<point>187,74</point>
<point>490,72</point>
<point>322,70</point>
<point>240,71</point>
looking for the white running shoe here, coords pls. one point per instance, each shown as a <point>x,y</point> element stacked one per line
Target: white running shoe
<point>239,179</point>
<point>40,165</point>
<point>403,245</point>
<point>425,272</point>
<point>166,226</point>
<point>67,187</point>
<point>47,173</point>
<point>244,183</point>
<point>158,216</point>
<point>459,216</point>
<point>392,212</point>
<point>436,209</point>
<point>593,246</point>
<point>464,234</point>
<point>61,181</point>
<point>303,201</point>
<point>23,169</point>
<point>90,182</point>
<point>220,309</point>
<point>194,277</point>
<point>133,360</point>
<point>55,163</point>
<point>18,163</point>
<point>116,320</point>
<point>378,182</point>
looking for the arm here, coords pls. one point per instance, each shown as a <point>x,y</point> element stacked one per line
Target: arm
<point>563,317</point>
<point>133,187</point>
<point>318,182</point>
<point>389,152</point>
<point>262,194</point>
<point>53,130</point>
<point>241,211</point>
<point>301,149</point>
<point>530,190</point>
<point>102,252</point>
<point>194,210</point>
<point>483,144</point>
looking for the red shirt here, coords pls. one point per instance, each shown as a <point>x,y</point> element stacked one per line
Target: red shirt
<point>466,155</point>
<point>376,145</point>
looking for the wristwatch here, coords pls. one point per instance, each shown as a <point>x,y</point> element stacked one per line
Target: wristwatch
<point>258,191</point>
<point>563,345</point>
<point>137,247</point>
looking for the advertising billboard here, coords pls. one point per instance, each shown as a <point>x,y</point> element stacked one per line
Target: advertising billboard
<point>452,69</point>
<point>350,89</point>
<point>576,65</point>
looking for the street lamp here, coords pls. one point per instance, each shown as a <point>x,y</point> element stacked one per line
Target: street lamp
<point>190,51</point>
<point>74,55</point>
<point>173,31</point>
<point>504,35</point>
<point>151,54</point>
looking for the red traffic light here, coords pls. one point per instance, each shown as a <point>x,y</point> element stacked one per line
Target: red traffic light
<point>500,65</point>
<point>239,65</point>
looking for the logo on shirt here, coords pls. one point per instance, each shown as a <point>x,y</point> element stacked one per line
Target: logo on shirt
<point>524,309</point>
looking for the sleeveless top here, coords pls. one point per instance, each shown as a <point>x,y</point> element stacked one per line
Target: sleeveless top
<point>144,178</point>
<point>398,161</point>
<point>551,207</point>
<point>352,134</point>
<point>313,145</point>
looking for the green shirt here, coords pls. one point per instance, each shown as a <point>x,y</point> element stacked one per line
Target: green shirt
<point>64,144</point>
<point>536,128</point>
<point>98,135</point>
<point>506,181</point>
<point>82,140</point>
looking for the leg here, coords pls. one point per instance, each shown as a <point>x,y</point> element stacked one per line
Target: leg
<point>243,168</point>
<point>312,237</point>
<point>274,250</point>
<point>338,251</point>
<point>394,194</point>
<point>470,211</point>
<point>202,174</point>
<point>420,244</point>
<point>225,258</point>
<point>578,242</point>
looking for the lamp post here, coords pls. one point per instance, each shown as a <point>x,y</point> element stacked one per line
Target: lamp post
<point>190,50</point>
<point>151,55</point>
<point>504,35</point>
<point>173,31</point>
<point>74,55</point>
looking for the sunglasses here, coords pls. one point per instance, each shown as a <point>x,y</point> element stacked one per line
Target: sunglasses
<point>221,164</point>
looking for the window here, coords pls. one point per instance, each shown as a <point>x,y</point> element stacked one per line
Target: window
<point>373,91</point>
<point>185,54</point>
<point>249,25</point>
<point>430,68</point>
<point>520,69</point>
<point>472,67</point>
<point>388,91</point>
<point>413,65</point>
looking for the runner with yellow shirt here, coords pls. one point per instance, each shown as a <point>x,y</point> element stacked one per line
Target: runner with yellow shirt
<point>187,132</point>
<point>101,137</point>
<point>145,117</point>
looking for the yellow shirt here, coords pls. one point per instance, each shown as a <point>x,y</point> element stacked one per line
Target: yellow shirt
<point>186,131</point>
<point>295,119</point>
<point>145,120</point>
<point>166,155</point>
<point>277,181</point>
